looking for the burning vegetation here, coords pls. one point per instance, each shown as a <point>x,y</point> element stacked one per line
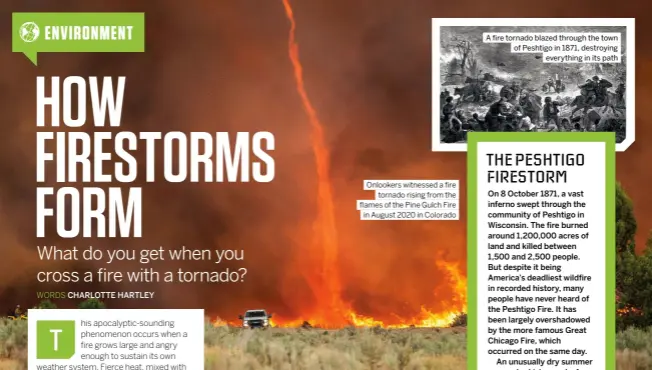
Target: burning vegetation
<point>626,310</point>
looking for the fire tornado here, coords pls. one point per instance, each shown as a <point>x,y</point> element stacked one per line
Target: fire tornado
<point>331,305</point>
<point>331,309</point>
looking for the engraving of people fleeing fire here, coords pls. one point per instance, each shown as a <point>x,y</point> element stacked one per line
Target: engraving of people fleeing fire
<point>594,93</point>
<point>475,91</point>
<point>555,85</point>
<point>505,91</point>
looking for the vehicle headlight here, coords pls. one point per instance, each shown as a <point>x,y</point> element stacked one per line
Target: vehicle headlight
<point>244,323</point>
<point>266,321</point>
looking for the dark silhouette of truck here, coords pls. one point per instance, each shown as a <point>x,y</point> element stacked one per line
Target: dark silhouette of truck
<point>255,319</point>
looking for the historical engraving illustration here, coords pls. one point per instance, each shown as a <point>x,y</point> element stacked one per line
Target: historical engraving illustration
<point>531,78</point>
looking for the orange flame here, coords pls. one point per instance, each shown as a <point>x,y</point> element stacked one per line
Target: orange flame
<point>425,319</point>
<point>627,310</point>
<point>325,225</point>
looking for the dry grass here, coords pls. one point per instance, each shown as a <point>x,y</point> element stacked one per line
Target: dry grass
<point>13,345</point>
<point>12,365</point>
<point>346,349</point>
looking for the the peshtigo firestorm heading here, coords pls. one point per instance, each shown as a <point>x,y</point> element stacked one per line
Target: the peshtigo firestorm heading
<point>531,160</point>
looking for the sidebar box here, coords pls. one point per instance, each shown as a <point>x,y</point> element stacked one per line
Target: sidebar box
<point>541,250</point>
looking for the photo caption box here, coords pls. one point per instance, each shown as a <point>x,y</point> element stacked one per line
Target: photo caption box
<point>541,251</point>
<point>410,200</point>
<point>96,339</point>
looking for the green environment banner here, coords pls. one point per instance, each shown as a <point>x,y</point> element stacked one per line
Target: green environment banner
<point>34,33</point>
<point>539,207</point>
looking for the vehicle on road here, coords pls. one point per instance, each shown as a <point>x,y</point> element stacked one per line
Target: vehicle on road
<point>255,319</point>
